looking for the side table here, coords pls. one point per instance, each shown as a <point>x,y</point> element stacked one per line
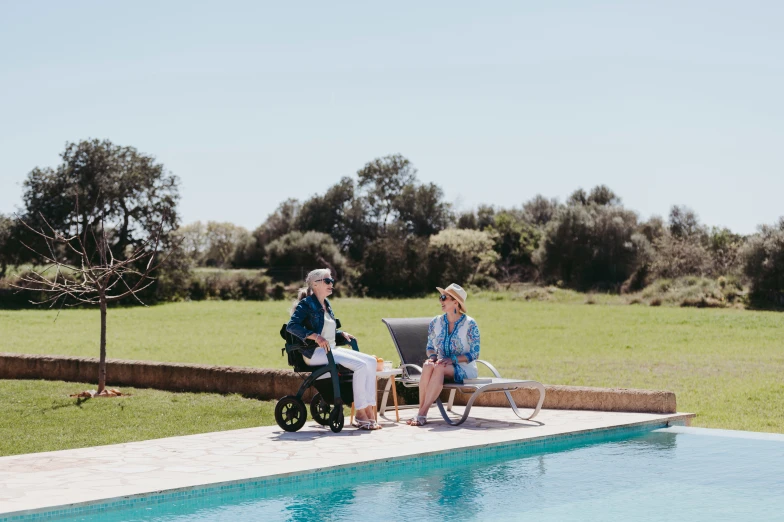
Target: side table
<point>390,384</point>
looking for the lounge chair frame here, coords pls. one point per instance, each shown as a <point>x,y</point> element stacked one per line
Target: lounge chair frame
<point>416,333</point>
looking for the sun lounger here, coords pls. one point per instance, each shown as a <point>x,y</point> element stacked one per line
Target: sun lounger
<point>410,339</point>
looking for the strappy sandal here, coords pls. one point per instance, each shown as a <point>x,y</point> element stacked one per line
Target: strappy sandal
<point>419,420</point>
<point>363,424</point>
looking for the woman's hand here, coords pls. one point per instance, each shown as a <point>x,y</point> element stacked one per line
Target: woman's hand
<point>322,342</point>
<point>445,362</point>
<point>348,336</point>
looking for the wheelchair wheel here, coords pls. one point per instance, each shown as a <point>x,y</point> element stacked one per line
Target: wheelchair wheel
<point>336,420</point>
<point>290,413</point>
<point>320,410</point>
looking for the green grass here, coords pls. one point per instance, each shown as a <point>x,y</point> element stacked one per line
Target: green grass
<point>723,364</point>
<point>40,416</point>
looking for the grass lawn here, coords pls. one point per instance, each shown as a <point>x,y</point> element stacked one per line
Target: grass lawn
<point>724,364</point>
<point>40,416</point>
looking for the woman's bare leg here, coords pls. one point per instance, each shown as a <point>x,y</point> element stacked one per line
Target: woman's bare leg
<point>435,386</point>
<point>424,380</point>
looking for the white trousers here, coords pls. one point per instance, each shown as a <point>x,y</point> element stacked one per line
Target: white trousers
<point>363,366</point>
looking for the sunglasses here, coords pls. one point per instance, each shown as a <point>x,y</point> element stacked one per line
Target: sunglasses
<point>327,280</point>
<point>443,297</point>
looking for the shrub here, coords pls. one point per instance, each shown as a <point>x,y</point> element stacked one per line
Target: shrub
<point>278,292</point>
<point>701,292</point>
<point>680,257</point>
<point>458,256</point>
<point>293,255</point>
<point>763,263</point>
<point>228,285</point>
<point>13,297</point>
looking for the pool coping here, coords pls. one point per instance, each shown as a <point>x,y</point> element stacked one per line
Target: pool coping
<point>155,496</point>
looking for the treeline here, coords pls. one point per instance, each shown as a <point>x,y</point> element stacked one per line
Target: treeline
<point>386,233</point>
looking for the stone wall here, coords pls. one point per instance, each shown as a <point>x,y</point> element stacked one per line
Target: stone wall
<point>265,383</point>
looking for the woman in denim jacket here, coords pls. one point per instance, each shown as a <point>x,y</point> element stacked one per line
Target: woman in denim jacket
<point>312,318</point>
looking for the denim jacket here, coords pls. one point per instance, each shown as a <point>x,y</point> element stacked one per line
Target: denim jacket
<point>308,318</point>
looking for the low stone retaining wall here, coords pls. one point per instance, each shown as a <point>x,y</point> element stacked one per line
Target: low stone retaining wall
<point>265,383</point>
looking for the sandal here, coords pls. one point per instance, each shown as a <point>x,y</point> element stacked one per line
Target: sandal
<point>419,420</point>
<point>363,424</point>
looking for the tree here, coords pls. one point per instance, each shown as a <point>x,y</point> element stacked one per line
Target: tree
<point>223,240</point>
<point>383,180</point>
<point>763,263</point>
<point>396,265</point>
<point>97,276</point>
<point>6,249</point>
<point>600,195</point>
<point>653,229</point>
<point>684,223</point>
<point>724,247</point>
<point>193,241</point>
<point>421,209</point>
<point>540,210</point>
<point>341,215</point>
<point>467,220</point>
<point>128,192</point>
<point>589,246</point>
<point>485,216</point>
<point>680,248</point>
<point>515,241</point>
<point>578,197</point>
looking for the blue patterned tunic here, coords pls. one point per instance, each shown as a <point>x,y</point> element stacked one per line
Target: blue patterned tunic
<point>464,340</point>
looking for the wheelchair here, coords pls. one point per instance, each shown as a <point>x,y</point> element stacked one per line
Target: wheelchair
<point>333,382</point>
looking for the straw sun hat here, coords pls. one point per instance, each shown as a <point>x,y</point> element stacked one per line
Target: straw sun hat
<point>457,293</point>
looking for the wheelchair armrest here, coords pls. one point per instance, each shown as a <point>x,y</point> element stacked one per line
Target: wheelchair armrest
<point>298,347</point>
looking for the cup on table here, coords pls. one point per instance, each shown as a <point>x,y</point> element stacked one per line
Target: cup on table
<point>387,365</point>
<point>379,364</point>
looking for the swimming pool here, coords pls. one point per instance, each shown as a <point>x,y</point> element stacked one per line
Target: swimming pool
<point>685,473</point>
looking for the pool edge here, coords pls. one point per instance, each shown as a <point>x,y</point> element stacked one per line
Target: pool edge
<point>164,495</point>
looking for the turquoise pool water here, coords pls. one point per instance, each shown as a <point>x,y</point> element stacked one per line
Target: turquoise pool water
<point>672,473</point>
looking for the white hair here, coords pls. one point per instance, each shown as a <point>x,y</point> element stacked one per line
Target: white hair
<point>313,276</point>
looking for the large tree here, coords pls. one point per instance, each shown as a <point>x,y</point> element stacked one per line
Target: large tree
<point>589,246</point>
<point>383,180</point>
<point>131,194</point>
<point>337,213</point>
<point>421,209</point>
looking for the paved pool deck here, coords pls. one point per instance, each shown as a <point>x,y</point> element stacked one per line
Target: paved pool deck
<point>68,479</point>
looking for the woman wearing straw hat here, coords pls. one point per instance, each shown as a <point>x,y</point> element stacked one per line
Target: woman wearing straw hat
<point>452,349</point>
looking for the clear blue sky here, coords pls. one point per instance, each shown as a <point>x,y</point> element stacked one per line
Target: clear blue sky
<point>250,103</point>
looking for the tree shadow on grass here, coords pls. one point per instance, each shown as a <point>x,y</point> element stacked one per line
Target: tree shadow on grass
<point>77,403</point>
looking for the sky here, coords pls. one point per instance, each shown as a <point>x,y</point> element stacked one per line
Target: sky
<point>251,103</point>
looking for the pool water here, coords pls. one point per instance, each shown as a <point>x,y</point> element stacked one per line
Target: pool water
<point>672,473</point>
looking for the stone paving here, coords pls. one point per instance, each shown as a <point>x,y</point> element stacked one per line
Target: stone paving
<point>29,483</point>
